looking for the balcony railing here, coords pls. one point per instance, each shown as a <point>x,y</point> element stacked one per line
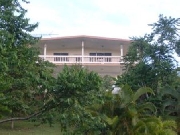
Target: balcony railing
<point>82,59</point>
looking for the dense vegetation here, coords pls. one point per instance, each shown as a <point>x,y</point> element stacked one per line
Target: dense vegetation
<point>23,75</point>
<point>82,101</point>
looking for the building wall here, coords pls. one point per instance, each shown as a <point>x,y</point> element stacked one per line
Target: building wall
<point>73,46</point>
<point>78,51</point>
<point>102,70</point>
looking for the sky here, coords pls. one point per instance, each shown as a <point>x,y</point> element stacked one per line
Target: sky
<point>104,18</point>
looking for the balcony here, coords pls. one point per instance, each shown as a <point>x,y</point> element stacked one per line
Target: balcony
<point>83,59</point>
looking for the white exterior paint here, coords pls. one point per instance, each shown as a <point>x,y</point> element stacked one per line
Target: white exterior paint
<point>79,48</point>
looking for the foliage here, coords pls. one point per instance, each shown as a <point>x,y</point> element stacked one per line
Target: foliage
<point>167,102</point>
<point>149,61</point>
<point>13,24</point>
<point>170,100</point>
<point>107,82</point>
<point>78,95</point>
<point>155,126</point>
<point>77,88</point>
<point>126,113</point>
<point>23,75</point>
<point>3,108</point>
<point>78,83</point>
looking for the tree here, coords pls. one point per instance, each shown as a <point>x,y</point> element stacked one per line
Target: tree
<point>107,82</point>
<point>23,75</point>
<point>149,61</point>
<point>76,88</point>
<point>168,104</point>
<point>126,113</point>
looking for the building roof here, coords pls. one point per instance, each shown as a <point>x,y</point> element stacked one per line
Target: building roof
<point>85,37</point>
<point>89,42</point>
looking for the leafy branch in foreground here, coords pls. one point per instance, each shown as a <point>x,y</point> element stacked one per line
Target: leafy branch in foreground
<point>24,77</point>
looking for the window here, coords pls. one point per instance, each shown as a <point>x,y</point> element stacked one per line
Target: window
<point>64,59</point>
<point>78,59</point>
<point>100,59</point>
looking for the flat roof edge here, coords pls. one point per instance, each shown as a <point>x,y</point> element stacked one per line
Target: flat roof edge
<point>85,36</point>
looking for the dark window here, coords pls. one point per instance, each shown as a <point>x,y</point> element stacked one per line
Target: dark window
<point>61,58</point>
<point>78,59</point>
<point>92,59</point>
<point>100,59</point>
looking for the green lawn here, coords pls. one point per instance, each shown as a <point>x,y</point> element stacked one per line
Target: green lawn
<point>28,128</point>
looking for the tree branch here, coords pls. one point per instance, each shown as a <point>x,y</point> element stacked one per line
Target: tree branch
<point>21,118</point>
<point>42,110</point>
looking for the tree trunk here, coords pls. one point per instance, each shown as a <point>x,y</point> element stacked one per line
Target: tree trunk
<point>12,124</point>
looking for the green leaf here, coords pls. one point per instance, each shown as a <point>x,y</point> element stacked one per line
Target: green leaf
<point>126,95</point>
<point>142,108</point>
<point>142,91</point>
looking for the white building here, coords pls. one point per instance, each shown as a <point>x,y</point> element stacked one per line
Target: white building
<point>100,54</point>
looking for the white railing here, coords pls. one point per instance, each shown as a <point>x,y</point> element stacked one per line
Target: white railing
<point>82,59</point>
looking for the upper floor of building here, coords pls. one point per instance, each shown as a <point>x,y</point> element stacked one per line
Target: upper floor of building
<point>86,50</point>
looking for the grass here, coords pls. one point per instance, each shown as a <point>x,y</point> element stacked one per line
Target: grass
<point>29,128</point>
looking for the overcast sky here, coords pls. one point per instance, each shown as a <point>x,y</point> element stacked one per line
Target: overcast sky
<point>106,18</point>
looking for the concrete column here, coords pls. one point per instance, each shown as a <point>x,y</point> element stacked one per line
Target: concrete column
<point>121,51</point>
<point>82,51</point>
<point>45,49</point>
